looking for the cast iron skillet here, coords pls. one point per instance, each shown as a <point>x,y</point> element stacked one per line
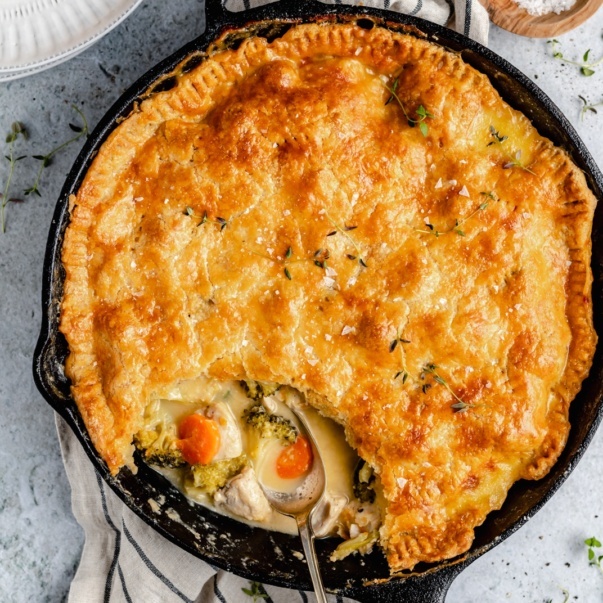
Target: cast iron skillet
<point>252,552</point>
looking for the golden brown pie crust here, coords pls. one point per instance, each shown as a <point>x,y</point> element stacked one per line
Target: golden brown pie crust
<point>195,237</point>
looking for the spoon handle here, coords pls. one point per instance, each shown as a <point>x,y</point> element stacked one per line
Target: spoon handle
<point>307,538</point>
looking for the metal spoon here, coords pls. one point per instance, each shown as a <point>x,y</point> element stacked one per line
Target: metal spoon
<point>301,504</point>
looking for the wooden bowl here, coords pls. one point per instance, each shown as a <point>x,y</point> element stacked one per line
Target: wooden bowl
<point>510,16</point>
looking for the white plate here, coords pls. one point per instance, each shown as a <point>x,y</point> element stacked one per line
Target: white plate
<point>39,33</point>
<point>6,76</point>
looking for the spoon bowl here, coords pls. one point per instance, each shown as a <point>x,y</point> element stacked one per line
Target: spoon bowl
<point>301,504</point>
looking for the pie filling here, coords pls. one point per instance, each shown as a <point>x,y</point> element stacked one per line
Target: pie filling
<point>217,441</point>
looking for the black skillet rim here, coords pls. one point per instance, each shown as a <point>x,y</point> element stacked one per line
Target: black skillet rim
<point>50,384</point>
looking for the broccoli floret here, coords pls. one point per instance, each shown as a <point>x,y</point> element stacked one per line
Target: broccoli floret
<point>364,478</point>
<point>212,477</point>
<point>256,390</point>
<point>159,446</point>
<point>269,425</point>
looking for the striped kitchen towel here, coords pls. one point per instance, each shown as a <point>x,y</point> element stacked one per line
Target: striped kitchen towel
<point>467,17</point>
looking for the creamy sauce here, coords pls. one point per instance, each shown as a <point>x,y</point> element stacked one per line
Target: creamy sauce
<point>200,394</point>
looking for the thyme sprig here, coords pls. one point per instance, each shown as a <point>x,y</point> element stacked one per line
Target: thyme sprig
<point>459,222</point>
<point>319,258</point>
<point>586,66</point>
<point>513,161</point>
<point>46,160</point>
<point>516,162</point>
<point>421,112</point>
<point>345,231</point>
<point>221,222</point>
<point>431,369</point>
<point>586,107</point>
<point>403,372</point>
<point>255,591</point>
<point>594,559</point>
<point>17,129</point>
<point>498,138</point>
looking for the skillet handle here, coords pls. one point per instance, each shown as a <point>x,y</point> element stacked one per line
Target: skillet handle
<point>215,14</point>
<point>426,588</point>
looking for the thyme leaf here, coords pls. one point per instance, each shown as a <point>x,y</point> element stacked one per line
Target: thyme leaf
<point>498,138</point>
<point>404,376</point>
<point>422,114</point>
<point>319,258</point>
<point>17,129</point>
<point>402,372</point>
<point>459,222</point>
<point>255,591</point>
<point>345,231</point>
<point>431,369</point>
<point>46,160</point>
<point>593,558</point>
<point>586,66</point>
<point>221,222</point>
<point>516,162</point>
<point>586,107</point>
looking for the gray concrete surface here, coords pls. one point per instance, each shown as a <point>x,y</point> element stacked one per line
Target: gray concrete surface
<point>40,541</point>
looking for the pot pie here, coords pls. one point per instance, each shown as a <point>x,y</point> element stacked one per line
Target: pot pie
<point>351,216</point>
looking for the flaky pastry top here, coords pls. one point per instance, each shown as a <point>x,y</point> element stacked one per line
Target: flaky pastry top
<point>357,214</point>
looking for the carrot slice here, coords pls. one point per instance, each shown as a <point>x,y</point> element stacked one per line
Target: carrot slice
<point>199,439</point>
<point>295,459</point>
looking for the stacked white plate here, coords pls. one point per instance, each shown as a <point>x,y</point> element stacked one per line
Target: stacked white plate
<point>38,34</point>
